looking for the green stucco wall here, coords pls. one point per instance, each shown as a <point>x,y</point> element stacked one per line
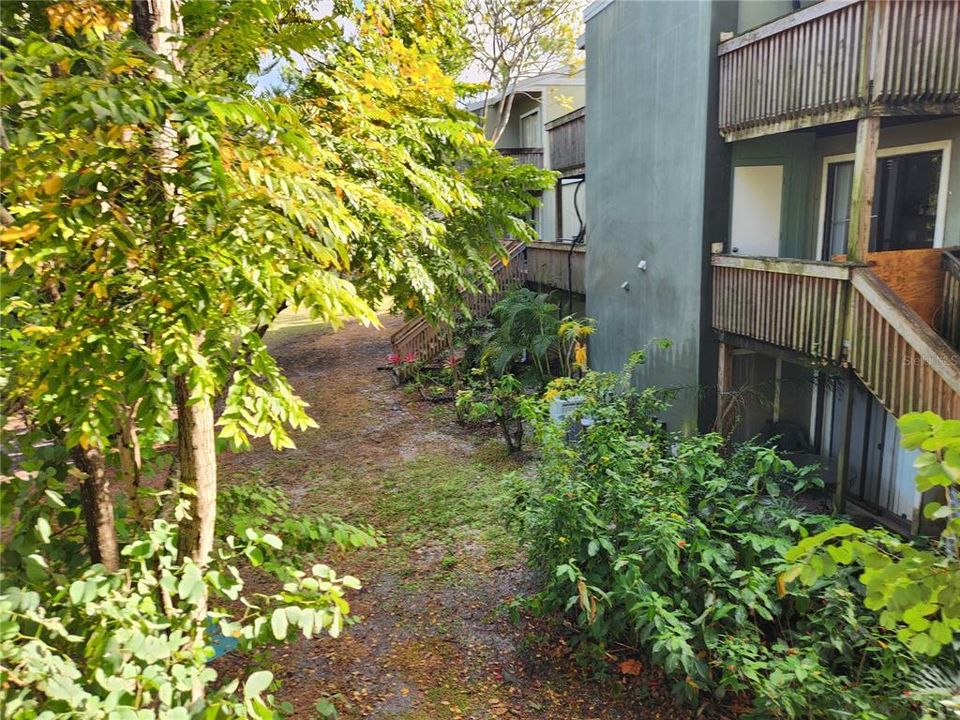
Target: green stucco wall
<point>754,13</point>
<point>658,189</point>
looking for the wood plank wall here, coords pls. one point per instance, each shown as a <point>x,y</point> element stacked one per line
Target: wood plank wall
<point>547,265</point>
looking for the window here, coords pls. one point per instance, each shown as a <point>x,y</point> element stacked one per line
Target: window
<point>571,196</point>
<point>530,130</point>
<point>839,188</point>
<point>907,203</point>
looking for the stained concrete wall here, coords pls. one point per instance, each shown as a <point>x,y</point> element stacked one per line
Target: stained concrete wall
<point>658,190</point>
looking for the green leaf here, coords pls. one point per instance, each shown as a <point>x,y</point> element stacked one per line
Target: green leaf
<point>43,529</point>
<point>257,683</point>
<point>278,623</point>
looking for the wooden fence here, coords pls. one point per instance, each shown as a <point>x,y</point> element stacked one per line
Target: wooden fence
<point>903,361</point>
<point>525,156</point>
<point>425,340</point>
<point>567,141</point>
<point>838,60</point>
<point>843,314</point>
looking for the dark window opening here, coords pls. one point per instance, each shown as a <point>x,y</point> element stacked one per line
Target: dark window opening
<point>904,206</point>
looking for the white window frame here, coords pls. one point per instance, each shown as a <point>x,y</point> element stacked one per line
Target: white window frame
<point>536,111</point>
<point>942,145</point>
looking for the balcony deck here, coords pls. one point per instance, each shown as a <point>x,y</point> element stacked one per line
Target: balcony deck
<point>841,60</point>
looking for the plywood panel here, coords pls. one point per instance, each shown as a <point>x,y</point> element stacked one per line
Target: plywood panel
<point>914,275</point>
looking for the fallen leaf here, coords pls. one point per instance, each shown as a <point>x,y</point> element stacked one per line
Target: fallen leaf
<point>631,667</point>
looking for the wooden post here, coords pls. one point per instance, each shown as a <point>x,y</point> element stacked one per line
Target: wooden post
<point>864,181</point>
<point>724,385</point>
<point>843,461</point>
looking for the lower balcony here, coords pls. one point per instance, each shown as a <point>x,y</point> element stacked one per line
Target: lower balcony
<point>557,265</point>
<point>840,314</point>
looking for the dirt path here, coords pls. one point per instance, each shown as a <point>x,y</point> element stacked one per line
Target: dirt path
<point>436,637</point>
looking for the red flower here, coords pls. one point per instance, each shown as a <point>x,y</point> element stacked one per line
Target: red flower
<point>682,543</point>
<point>410,358</point>
<point>394,358</point>
<point>452,361</point>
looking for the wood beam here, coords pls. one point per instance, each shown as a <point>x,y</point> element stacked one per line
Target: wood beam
<point>843,461</point>
<point>724,386</point>
<point>864,182</point>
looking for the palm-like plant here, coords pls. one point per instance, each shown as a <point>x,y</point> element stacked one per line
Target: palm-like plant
<point>527,330</point>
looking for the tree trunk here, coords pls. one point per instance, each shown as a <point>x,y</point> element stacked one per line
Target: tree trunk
<point>154,21</point>
<point>198,472</point>
<point>97,508</point>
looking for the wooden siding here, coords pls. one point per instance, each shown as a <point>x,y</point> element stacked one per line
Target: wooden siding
<point>949,324</point>
<point>842,314</point>
<point>525,156</point>
<point>566,136</point>
<point>839,60</point>
<point>426,340</point>
<point>547,265</point>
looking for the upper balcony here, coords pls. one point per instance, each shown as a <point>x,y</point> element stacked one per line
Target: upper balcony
<point>841,60</point>
<point>566,137</point>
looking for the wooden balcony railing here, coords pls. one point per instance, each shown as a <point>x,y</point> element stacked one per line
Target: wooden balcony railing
<point>567,141</point>
<point>426,340</point>
<point>839,60</point>
<point>950,310</point>
<point>558,265</point>
<point>796,304</point>
<point>525,156</point>
<point>841,314</point>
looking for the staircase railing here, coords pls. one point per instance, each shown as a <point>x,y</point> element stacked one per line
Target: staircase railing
<point>426,341</point>
<point>950,311</point>
<point>900,358</point>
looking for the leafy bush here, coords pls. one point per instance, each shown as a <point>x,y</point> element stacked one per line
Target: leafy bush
<point>501,399</point>
<point>514,357</point>
<point>258,506</point>
<point>664,542</point>
<point>78,639</point>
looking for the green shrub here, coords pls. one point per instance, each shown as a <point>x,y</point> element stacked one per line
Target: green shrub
<point>80,641</point>
<point>664,542</point>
